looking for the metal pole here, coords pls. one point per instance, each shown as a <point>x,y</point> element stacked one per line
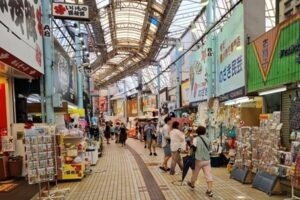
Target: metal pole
<point>42,98</point>
<point>140,88</point>
<point>108,103</point>
<point>125,102</point>
<point>78,63</point>
<point>158,89</point>
<point>178,79</point>
<point>211,43</point>
<point>48,61</point>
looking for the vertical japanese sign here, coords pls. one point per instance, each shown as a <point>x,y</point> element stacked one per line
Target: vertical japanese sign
<point>70,11</point>
<point>185,90</point>
<point>230,54</point>
<point>198,76</point>
<point>21,41</point>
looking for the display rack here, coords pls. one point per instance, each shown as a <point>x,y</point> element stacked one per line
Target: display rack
<point>243,161</point>
<point>71,165</point>
<point>41,163</point>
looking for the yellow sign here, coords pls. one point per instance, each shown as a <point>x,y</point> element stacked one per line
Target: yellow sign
<point>79,111</point>
<point>185,88</point>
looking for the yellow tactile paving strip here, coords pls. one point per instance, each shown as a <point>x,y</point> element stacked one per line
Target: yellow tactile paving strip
<point>117,177</point>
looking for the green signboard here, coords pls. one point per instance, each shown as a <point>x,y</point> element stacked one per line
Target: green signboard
<point>273,59</point>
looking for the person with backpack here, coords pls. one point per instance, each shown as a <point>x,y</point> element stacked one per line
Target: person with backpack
<point>202,155</point>
<point>150,131</point>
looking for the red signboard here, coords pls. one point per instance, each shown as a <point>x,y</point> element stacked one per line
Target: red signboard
<point>18,64</point>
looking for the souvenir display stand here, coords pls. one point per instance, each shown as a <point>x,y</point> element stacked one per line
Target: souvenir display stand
<point>243,161</point>
<point>41,163</point>
<point>71,147</point>
<point>265,153</point>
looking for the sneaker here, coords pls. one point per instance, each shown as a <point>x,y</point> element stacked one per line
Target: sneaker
<point>168,169</point>
<point>162,168</point>
<point>191,185</point>
<point>145,146</point>
<point>150,154</point>
<point>155,154</point>
<point>172,172</point>
<point>209,193</point>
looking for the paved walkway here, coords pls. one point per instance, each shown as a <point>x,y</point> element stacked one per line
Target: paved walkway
<point>129,173</point>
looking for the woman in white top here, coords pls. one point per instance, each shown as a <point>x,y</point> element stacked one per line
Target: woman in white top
<point>177,139</point>
<point>166,143</point>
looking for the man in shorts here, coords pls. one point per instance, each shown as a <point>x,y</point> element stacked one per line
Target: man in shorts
<point>150,131</point>
<point>166,143</point>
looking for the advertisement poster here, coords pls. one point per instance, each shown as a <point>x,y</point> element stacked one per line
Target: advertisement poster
<point>198,76</point>
<point>103,104</point>
<point>21,41</point>
<point>64,75</point>
<point>185,90</point>
<point>230,54</point>
<point>149,103</point>
<point>7,143</point>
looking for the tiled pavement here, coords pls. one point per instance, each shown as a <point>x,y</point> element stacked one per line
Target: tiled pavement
<point>119,176</point>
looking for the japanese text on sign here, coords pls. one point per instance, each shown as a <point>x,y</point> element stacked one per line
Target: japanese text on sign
<point>231,70</point>
<point>24,15</point>
<point>63,10</point>
<point>231,48</point>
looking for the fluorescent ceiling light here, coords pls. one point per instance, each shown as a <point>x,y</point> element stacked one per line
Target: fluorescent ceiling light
<point>238,101</point>
<point>239,48</point>
<point>204,2</point>
<point>277,90</point>
<point>179,46</point>
<point>71,106</point>
<point>193,27</point>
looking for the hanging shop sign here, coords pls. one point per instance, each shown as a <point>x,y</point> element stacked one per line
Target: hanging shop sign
<point>120,108</point>
<point>65,74</point>
<point>132,110</point>
<point>274,57</point>
<point>230,54</point>
<point>71,11</point>
<point>102,104</point>
<point>163,96</point>
<point>149,103</point>
<point>21,41</point>
<point>185,91</point>
<point>198,76</point>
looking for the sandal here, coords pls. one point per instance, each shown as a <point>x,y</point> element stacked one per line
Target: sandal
<point>191,185</point>
<point>209,193</point>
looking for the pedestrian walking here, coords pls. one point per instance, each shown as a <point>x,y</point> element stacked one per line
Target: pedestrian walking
<point>202,156</point>
<point>123,134</point>
<point>166,143</point>
<point>177,140</point>
<point>107,132</point>
<point>117,132</point>
<point>151,137</point>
